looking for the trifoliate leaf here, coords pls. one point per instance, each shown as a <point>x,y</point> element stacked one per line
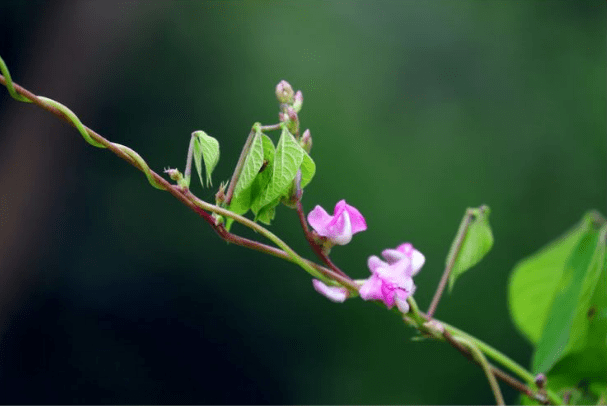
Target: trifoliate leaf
<point>205,148</point>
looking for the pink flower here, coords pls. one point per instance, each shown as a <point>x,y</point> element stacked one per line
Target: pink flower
<point>392,280</point>
<point>333,293</point>
<point>340,227</point>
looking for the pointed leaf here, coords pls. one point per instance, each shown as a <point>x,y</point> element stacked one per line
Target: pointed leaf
<point>534,281</point>
<point>474,239</point>
<point>252,164</point>
<point>241,202</point>
<point>308,169</point>
<point>267,213</point>
<point>580,266</point>
<point>287,161</point>
<point>205,148</point>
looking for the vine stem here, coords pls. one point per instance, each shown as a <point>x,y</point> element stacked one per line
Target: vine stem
<point>186,197</point>
<point>451,333</point>
<point>309,237</point>
<point>478,355</point>
<point>285,252</point>
<point>459,240</point>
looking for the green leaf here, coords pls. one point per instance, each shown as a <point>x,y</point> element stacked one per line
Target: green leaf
<point>266,213</point>
<point>287,160</point>
<point>474,239</point>
<point>242,201</point>
<point>308,169</point>
<point>252,164</point>
<point>207,148</point>
<point>534,281</point>
<point>555,336</point>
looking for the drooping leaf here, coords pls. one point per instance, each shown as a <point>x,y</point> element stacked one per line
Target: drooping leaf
<point>553,341</point>
<point>242,202</point>
<point>534,281</point>
<point>252,164</point>
<point>474,239</point>
<point>266,213</point>
<point>205,148</point>
<point>308,169</point>
<point>287,160</point>
<point>589,326</point>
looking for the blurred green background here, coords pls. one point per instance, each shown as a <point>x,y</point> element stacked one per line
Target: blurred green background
<point>113,292</point>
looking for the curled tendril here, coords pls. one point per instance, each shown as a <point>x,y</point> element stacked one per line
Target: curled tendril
<point>134,156</point>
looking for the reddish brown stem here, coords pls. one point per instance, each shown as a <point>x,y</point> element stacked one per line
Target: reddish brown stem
<point>315,247</point>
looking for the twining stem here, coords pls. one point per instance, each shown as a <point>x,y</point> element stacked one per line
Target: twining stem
<point>309,237</point>
<point>272,237</point>
<point>452,332</point>
<point>199,206</point>
<point>459,240</point>
<point>478,355</point>
<point>160,183</point>
<point>502,359</point>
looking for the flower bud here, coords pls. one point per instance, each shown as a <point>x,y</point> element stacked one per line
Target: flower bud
<point>540,380</point>
<point>335,294</point>
<point>298,101</point>
<point>293,123</point>
<point>284,92</point>
<point>435,328</point>
<point>174,174</point>
<point>306,141</point>
<point>220,196</point>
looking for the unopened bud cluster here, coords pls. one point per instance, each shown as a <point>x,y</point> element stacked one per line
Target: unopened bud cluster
<point>290,104</point>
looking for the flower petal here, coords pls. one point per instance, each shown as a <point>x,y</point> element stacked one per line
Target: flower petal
<point>333,293</point>
<point>318,219</point>
<point>401,301</point>
<point>371,289</point>
<point>358,221</point>
<point>339,230</point>
<point>417,261</point>
<point>374,263</point>
<point>392,255</point>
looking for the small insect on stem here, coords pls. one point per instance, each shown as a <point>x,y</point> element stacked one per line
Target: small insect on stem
<point>263,166</point>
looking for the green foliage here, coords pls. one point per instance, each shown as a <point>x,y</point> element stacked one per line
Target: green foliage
<point>568,300</point>
<point>558,300</point>
<point>473,241</point>
<point>288,159</point>
<point>205,148</point>
<point>268,175</point>
<point>252,164</point>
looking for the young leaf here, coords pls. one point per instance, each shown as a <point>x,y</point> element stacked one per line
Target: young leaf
<point>252,164</point>
<point>287,160</point>
<point>266,213</point>
<point>242,201</point>
<point>308,169</point>
<point>473,241</point>
<point>207,148</point>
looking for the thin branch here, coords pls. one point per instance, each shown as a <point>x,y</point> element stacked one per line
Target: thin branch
<point>192,202</point>
<point>461,235</point>
<point>315,247</point>
<point>178,192</point>
<point>478,356</point>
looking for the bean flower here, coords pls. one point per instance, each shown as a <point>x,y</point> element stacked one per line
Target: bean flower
<point>392,280</point>
<point>333,293</point>
<point>338,228</point>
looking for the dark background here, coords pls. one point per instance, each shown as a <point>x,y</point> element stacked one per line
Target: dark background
<point>113,292</point>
